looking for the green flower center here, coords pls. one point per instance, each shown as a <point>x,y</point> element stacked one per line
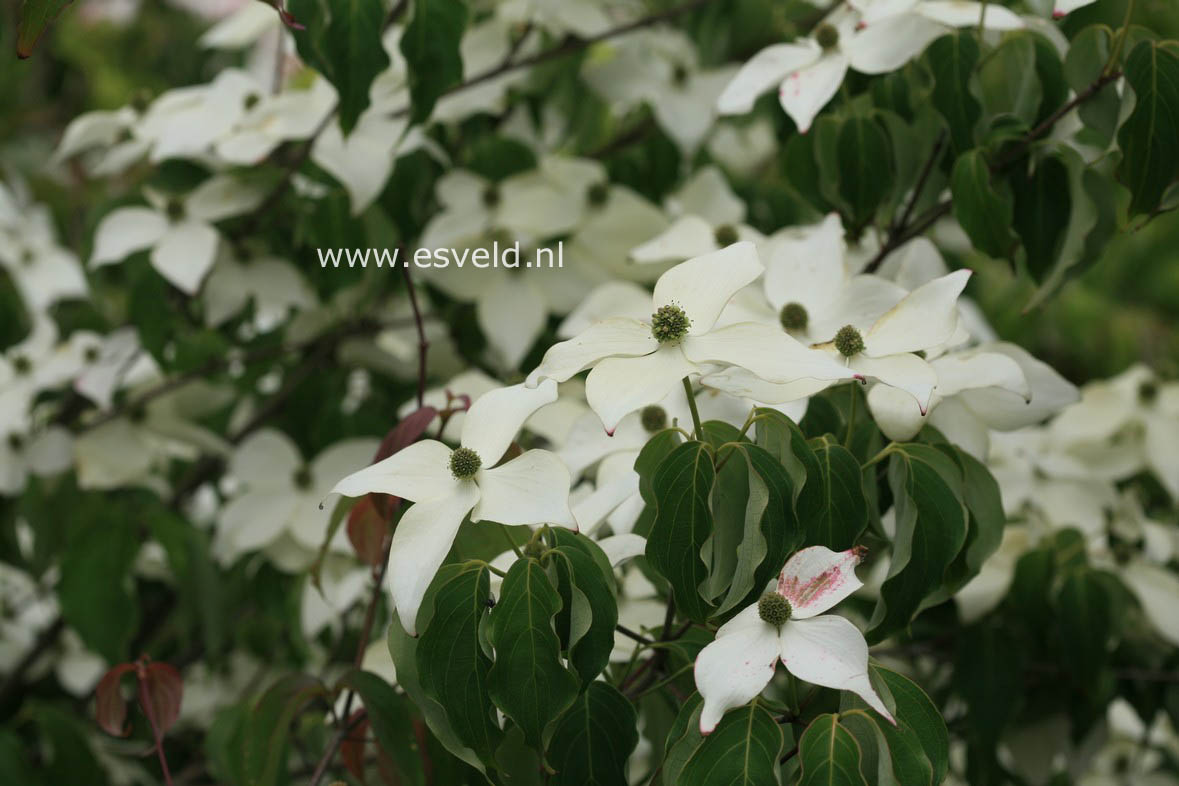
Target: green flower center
<point>654,418</point>
<point>490,196</point>
<point>793,317</point>
<point>137,414</point>
<point>680,75</point>
<point>251,100</point>
<point>174,209</point>
<point>726,235</point>
<point>849,341</point>
<point>1148,392</point>
<point>302,478</point>
<point>827,36</point>
<point>22,365</point>
<point>597,194</point>
<point>27,258</point>
<point>91,355</point>
<point>669,323</point>
<point>464,463</point>
<point>15,441</point>
<point>774,609</point>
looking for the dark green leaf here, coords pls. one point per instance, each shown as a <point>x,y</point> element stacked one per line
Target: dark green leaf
<point>1043,206</point>
<point>831,507</point>
<point>431,48</point>
<point>594,739</point>
<point>983,206</point>
<point>931,526</point>
<point>1008,81</point>
<point>528,681</point>
<point>35,18</point>
<point>1150,136</point>
<point>683,521</point>
<point>391,722</point>
<point>342,40</point>
<point>829,754</point>
<point>743,749</point>
<point>952,59</point>
<point>865,167</point>
<point>589,610</point>
<point>1085,619</point>
<point>1088,53</point>
<point>452,666</point>
<point>97,590</point>
<point>269,726</point>
<point>912,707</point>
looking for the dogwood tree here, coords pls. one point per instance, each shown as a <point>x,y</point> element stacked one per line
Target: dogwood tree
<point>589,392</point>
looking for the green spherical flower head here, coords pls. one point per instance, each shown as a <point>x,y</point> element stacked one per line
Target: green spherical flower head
<point>534,549</point>
<point>27,258</point>
<point>793,317</point>
<point>174,209</point>
<point>302,478</point>
<point>680,75</point>
<point>251,100</point>
<point>22,365</point>
<point>654,418</point>
<point>464,463</point>
<point>849,341</point>
<point>774,609</point>
<point>490,196</point>
<point>15,442</point>
<point>726,235</point>
<point>669,324</point>
<point>91,355</point>
<point>827,36</point>
<point>1148,392</point>
<point>597,194</point>
<point>137,414</point>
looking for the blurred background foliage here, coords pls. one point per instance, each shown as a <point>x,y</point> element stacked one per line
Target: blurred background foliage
<point>1121,310</point>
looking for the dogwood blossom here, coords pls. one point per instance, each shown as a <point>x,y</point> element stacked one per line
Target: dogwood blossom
<point>788,624</point>
<point>179,231</point>
<point>711,217</point>
<point>446,485</point>
<point>637,363</point>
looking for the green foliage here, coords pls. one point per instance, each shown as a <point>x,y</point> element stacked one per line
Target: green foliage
<point>1149,138</point>
<point>431,48</point>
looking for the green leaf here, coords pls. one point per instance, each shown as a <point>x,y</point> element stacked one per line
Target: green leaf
<point>342,40</point>
<point>589,609</point>
<point>34,19</point>
<point>985,526</point>
<point>912,707</point>
<point>865,167</point>
<point>528,681</point>
<point>832,507</point>
<point>1043,206</point>
<point>1149,138</point>
<point>431,48</point>
<point>890,755</point>
<point>269,726</point>
<point>984,207</point>
<point>931,527</point>
<point>829,754</point>
<point>594,739</point>
<point>452,666</point>
<point>743,749</point>
<point>1084,610</point>
<point>97,590</point>
<point>14,766</point>
<point>1087,56</point>
<point>952,59</point>
<point>683,522</point>
<point>1008,81</point>
<point>391,722</point>
<point>766,531</point>
<point>403,649</point>
<point>987,675</point>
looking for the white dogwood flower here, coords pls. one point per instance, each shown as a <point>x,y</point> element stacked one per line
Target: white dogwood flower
<point>786,624</point>
<point>447,484</point>
<point>179,231</point>
<point>636,363</point>
<point>711,217</point>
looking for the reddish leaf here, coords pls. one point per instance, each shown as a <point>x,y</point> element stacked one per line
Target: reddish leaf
<point>367,530</point>
<point>160,692</point>
<point>352,748</point>
<point>34,19</point>
<point>406,432</point>
<point>110,707</point>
